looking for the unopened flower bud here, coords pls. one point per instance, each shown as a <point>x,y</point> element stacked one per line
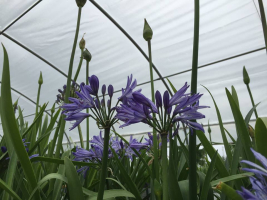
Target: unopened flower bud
<point>104,89</point>
<point>40,81</point>
<point>82,43</point>
<point>209,129</point>
<point>110,90</point>
<point>3,149</point>
<point>80,3</point>
<point>246,78</point>
<point>147,33</point>
<point>251,131</point>
<point>87,55</point>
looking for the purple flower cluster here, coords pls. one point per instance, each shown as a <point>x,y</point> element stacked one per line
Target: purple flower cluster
<point>181,107</point>
<point>88,98</point>
<point>97,145</point>
<point>259,184</point>
<point>4,149</point>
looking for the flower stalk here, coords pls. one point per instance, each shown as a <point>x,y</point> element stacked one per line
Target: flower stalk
<point>87,110</point>
<point>104,165</point>
<point>164,166</point>
<point>192,136</point>
<point>246,80</point>
<point>40,82</point>
<point>148,34</point>
<point>63,122</point>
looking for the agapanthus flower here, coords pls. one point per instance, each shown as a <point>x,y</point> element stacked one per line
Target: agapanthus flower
<point>181,107</point>
<point>86,98</point>
<point>259,184</point>
<point>4,149</point>
<point>95,153</point>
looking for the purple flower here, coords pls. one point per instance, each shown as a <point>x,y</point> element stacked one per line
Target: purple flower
<point>3,149</point>
<point>259,184</point>
<point>94,83</point>
<point>110,91</point>
<point>88,97</point>
<point>103,89</point>
<point>181,107</point>
<point>78,117</point>
<point>158,99</point>
<point>128,90</point>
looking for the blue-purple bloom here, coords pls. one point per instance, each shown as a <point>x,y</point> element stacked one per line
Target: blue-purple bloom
<point>95,153</point>
<point>3,149</point>
<point>259,184</point>
<point>181,107</point>
<point>88,98</point>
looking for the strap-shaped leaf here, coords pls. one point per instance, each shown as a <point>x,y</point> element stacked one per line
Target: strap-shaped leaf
<point>9,124</point>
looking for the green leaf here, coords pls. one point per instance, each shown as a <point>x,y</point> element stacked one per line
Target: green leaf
<point>231,178</point>
<point>211,151</point>
<point>9,124</point>
<point>225,141</point>
<point>113,194</point>
<point>39,116</point>
<point>173,88</point>
<point>59,161</point>
<point>235,97</point>
<point>248,116</point>
<point>261,137</point>
<point>228,191</point>
<point>206,186</point>
<point>126,176</point>
<point>241,127</point>
<point>8,189</point>
<point>74,184</point>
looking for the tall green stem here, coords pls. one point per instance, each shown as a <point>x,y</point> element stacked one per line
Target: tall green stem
<point>38,98</point>
<point>66,100</point>
<point>252,100</point>
<point>192,135</point>
<point>164,166</point>
<point>80,136</point>
<point>104,166</point>
<point>263,22</point>
<point>155,142</point>
<point>79,67</point>
<point>87,110</point>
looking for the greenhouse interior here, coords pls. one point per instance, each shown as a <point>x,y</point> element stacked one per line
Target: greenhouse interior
<point>122,100</point>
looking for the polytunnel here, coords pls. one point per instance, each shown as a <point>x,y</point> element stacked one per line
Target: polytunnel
<point>38,37</point>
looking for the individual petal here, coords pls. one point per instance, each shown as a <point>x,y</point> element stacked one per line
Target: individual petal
<point>180,93</point>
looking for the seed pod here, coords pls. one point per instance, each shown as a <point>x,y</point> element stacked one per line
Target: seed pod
<point>82,43</point>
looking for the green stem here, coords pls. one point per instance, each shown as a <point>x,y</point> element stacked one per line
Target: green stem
<point>66,100</point>
<point>263,22</point>
<point>252,100</point>
<point>192,135</point>
<point>155,148</point>
<point>80,136</point>
<point>79,67</point>
<point>104,166</point>
<point>38,98</point>
<point>164,166</point>
<point>87,110</point>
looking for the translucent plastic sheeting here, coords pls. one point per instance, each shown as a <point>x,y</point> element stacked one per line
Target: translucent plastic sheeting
<point>9,10</point>
<point>227,28</point>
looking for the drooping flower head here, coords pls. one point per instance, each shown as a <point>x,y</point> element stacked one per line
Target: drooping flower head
<point>181,107</point>
<point>259,184</point>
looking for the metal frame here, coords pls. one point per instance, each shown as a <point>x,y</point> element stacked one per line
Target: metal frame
<point>125,33</point>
